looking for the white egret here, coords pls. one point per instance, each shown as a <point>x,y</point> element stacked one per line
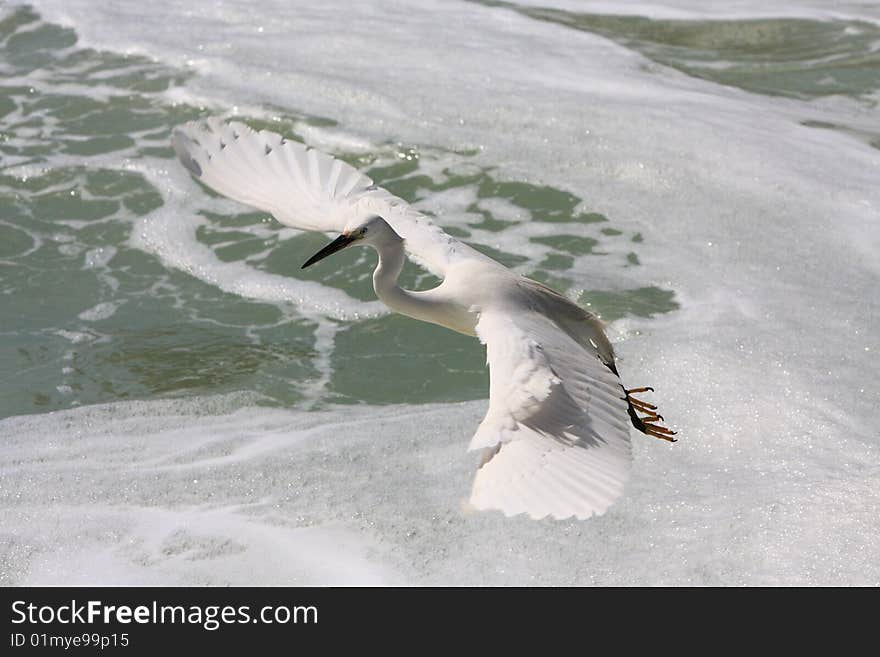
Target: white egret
<point>555,439</point>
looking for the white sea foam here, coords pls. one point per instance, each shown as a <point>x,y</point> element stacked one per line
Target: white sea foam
<point>100,311</point>
<point>100,256</point>
<point>766,230</point>
<point>215,491</point>
<point>171,237</point>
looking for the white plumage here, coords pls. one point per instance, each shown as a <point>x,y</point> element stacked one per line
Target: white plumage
<point>557,431</point>
<point>305,188</point>
<point>555,439</point>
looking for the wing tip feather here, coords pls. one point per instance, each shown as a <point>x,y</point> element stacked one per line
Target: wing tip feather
<point>183,147</point>
<point>563,483</point>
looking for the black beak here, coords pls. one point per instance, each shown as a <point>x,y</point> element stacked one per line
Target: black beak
<point>336,245</point>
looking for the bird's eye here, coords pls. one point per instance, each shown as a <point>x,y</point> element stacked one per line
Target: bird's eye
<point>364,230</point>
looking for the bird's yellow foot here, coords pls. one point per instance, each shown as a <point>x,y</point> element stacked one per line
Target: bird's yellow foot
<point>647,424</point>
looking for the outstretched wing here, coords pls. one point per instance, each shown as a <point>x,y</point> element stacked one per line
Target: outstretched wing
<point>556,436</point>
<point>303,187</point>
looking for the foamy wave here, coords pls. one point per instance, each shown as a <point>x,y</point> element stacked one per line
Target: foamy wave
<point>218,491</point>
<point>171,237</point>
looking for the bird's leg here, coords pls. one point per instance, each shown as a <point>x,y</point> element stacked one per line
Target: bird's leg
<point>647,424</point>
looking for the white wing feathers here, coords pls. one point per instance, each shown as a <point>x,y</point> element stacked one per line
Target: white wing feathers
<point>303,187</point>
<point>556,434</point>
<point>300,186</point>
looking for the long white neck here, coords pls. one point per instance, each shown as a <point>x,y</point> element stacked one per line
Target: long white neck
<point>436,306</point>
<point>425,306</point>
<point>391,258</point>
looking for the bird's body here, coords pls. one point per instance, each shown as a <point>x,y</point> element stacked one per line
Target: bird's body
<point>555,439</point>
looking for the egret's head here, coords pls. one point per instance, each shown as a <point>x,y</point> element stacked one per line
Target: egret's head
<point>365,232</point>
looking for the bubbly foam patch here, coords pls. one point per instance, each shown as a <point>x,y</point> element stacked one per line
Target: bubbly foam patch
<point>217,491</point>
<point>165,234</point>
<point>98,312</point>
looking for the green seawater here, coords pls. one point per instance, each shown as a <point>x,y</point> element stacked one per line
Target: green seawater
<point>798,58</point>
<point>87,317</point>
